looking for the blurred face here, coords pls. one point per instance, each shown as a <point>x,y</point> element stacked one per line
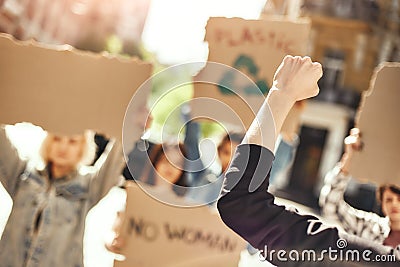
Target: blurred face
<point>391,205</point>
<point>225,154</point>
<point>66,151</point>
<point>170,168</point>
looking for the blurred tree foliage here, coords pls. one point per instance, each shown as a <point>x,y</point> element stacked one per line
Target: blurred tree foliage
<point>170,91</point>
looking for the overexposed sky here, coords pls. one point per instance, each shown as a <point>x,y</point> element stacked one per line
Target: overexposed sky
<point>174,29</point>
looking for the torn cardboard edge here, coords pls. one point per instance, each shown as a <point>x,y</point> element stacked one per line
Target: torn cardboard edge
<point>65,90</point>
<point>68,48</point>
<point>377,119</point>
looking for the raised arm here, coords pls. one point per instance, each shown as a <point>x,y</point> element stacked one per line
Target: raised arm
<point>295,79</point>
<point>11,166</point>
<point>246,206</point>
<point>108,170</point>
<point>354,221</point>
<point>195,166</point>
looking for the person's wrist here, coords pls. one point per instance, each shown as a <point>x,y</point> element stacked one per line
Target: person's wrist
<point>344,170</point>
<point>282,94</point>
<point>344,163</point>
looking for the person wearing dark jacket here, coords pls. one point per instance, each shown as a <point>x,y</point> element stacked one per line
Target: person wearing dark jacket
<point>285,237</point>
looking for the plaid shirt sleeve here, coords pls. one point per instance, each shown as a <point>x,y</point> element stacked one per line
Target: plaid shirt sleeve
<point>358,222</point>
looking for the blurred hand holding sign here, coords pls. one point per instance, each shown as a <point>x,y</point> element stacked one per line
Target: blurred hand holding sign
<point>158,234</point>
<point>253,49</point>
<point>66,91</point>
<point>378,120</point>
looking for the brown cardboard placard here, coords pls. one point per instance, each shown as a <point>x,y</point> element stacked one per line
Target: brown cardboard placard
<point>158,234</point>
<point>377,118</point>
<point>64,90</point>
<point>255,48</point>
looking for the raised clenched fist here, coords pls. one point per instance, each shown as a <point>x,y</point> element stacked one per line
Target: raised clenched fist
<point>297,77</point>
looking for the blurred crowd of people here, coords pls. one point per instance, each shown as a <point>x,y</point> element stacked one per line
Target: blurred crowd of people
<point>54,186</point>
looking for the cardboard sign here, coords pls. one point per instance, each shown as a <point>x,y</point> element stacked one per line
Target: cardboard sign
<point>377,118</point>
<point>67,91</point>
<point>158,234</point>
<point>251,51</point>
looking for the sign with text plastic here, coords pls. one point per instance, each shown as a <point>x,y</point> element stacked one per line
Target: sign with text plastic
<point>377,118</point>
<point>159,234</point>
<point>65,90</point>
<point>247,52</point>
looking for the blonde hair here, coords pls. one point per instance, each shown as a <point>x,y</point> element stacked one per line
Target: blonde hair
<point>88,148</point>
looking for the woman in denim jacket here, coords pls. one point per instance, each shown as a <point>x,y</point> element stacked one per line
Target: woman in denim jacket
<point>50,203</point>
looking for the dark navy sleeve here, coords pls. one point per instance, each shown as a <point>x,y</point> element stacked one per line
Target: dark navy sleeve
<point>248,209</point>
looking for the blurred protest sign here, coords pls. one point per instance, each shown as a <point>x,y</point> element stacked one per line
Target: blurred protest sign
<point>159,234</point>
<point>377,118</point>
<point>251,51</point>
<point>66,91</point>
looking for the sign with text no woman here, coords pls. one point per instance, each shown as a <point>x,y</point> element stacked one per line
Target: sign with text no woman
<point>160,234</point>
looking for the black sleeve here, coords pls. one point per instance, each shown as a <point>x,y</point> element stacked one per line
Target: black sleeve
<point>138,158</point>
<point>250,211</point>
<point>101,143</point>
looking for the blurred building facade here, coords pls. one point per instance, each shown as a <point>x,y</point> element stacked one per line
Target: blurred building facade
<point>350,38</point>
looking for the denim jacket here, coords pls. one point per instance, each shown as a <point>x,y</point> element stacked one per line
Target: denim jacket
<point>47,221</point>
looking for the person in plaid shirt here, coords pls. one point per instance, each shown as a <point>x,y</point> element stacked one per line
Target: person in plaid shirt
<point>385,230</point>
